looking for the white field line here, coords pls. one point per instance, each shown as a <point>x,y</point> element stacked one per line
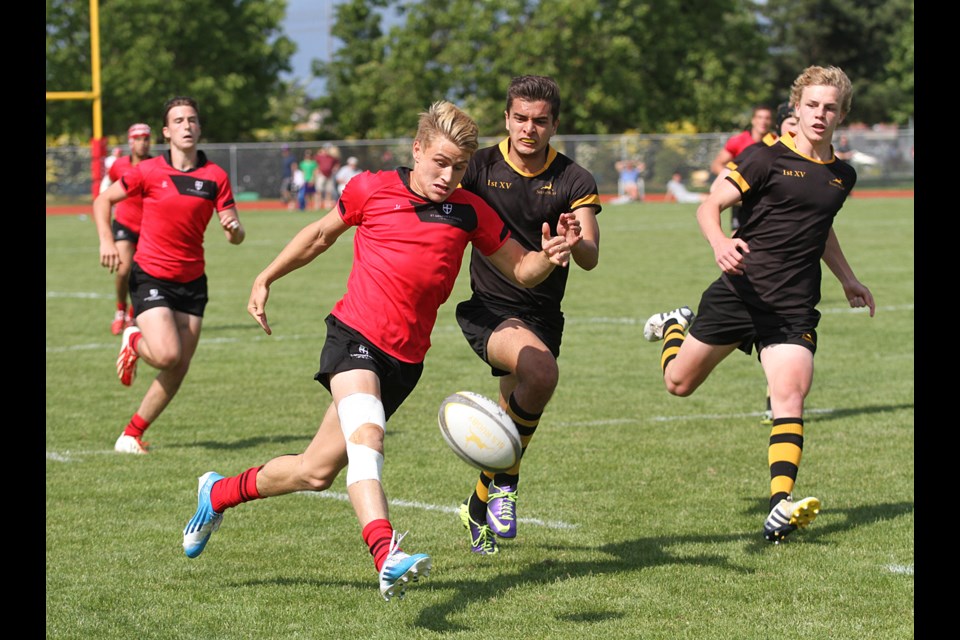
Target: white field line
<point>72,456</point>
<point>570,321</point>
<point>424,506</point>
<point>902,569</point>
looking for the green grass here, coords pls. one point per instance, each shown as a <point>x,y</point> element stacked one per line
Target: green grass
<point>640,512</point>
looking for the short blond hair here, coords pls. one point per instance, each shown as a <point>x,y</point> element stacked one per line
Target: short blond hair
<point>445,119</point>
<point>826,77</point>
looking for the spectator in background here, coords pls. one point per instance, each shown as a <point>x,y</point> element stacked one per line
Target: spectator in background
<point>126,220</point>
<point>297,184</point>
<point>308,192</point>
<point>387,161</point>
<point>346,172</point>
<point>760,123</point>
<point>630,185</point>
<point>288,163</point>
<point>678,192</point>
<point>843,150</point>
<point>325,178</point>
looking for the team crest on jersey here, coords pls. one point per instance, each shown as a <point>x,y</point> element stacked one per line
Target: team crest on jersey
<point>545,190</point>
<point>456,214</point>
<point>196,187</point>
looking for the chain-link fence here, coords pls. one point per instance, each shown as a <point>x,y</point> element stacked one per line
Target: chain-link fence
<point>882,159</point>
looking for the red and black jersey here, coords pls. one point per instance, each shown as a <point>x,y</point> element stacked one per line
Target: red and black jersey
<point>127,212</point>
<point>789,203</point>
<point>742,142</point>
<point>407,253</point>
<point>525,201</point>
<point>177,206</point>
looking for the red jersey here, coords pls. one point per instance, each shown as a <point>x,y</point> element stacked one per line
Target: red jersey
<point>407,253</point>
<point>177,206</point>
<point>739,142</point>
<point>129,211</point>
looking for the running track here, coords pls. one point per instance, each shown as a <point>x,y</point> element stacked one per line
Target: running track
<point>76,209</point>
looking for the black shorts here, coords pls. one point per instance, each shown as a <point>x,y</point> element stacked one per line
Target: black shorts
<point>147,292</point>
<point>723,318</point>
<point>345,349</point>
<point>123,234</point>
<point>478,320</point>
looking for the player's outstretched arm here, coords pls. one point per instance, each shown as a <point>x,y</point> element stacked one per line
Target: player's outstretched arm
<point>311,241</point>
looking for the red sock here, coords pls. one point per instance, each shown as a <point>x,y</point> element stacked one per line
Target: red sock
<point>136,426</point>
<point>377,535</point>
<point>135,340</point>
<point>230,492</point>
<point>122,306</point>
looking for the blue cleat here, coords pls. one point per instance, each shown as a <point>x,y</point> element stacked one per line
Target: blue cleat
<point>400,568</point>
<point>205,521</point>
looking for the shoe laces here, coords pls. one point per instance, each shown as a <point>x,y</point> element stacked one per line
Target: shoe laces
<point>394,552</point>
<point>484,540</point>
<point>508,504</point>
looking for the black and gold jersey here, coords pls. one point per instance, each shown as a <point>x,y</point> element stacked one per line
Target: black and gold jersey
<point>789,203</point>
<point>525,201</point>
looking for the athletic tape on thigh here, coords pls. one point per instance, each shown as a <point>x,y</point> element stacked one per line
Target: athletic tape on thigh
<point>357,409</point>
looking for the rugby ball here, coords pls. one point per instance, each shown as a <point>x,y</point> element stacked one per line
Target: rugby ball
<point>479,431</point>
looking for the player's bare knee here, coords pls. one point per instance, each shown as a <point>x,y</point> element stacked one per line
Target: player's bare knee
<point>363,422</point>
<point>681,389</point>
<point>368,435</point>
<point>539,372</point>
<point>167,359</point>
<point>318,480</point>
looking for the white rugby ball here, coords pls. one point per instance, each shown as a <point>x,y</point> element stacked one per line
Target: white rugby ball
<point>479,431</point>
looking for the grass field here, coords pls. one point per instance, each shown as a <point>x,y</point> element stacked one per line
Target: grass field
<point>641,513</point>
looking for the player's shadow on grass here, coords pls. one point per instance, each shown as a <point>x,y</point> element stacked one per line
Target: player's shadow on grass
<point>828,523</point>
<point>252,443</point>
<point>245,443</point>
<point>636,555</point>
<point>625,556</point>
<point>837,414</point>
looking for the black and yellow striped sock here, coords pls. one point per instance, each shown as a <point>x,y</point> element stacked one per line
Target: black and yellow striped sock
<point>673,338</point>
<point>527,424</point>
<point>783,456</point>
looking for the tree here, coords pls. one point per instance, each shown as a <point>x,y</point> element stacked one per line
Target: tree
<point>227,54</point>
<point>868,39</point>
<point>622,65</point>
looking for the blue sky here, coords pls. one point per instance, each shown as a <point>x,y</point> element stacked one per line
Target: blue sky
<point>308,24</point>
